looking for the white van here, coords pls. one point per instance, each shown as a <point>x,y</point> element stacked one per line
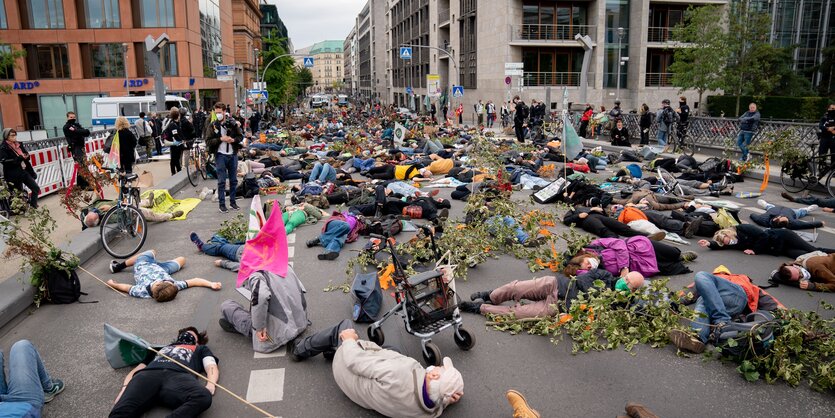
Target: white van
<point>106,109</point>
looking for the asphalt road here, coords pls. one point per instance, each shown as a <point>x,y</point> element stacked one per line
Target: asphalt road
<point>555,382</point>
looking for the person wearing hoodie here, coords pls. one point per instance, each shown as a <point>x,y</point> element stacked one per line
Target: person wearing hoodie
<point>749,122</point>
<point>783,217</point>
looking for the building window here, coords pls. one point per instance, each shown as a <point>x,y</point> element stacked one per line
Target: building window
<point>468,56</point>
<point>42,14</point>
<point>54,109</point>
<point>617,16</point>
<point>47,61</point>
<point>3,23</point>
<point>658,68</point>
<point>107,60</point>
<point>552,66</point>
<point>155,13</point>
<point>100,14</point>
<point>210,38</point>
<point>6,71</point>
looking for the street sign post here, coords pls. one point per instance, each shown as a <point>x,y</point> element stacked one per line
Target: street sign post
<point>405,52</point>
<point>225,72</point>
<point>512,73</point>
<point>308,62</point>
<point>507,80</point>
<point>409,90</point>
<point>257,96</point>
<point>457,91</point>
<point>514,66</point>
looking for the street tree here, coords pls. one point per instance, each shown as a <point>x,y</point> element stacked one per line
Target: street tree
<point>9,57</point>
<point>304,79</point>
<point>279,76</point>
<point>750,53</point>
<point>698,62</point>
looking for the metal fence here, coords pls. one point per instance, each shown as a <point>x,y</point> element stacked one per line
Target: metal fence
<point>538,79</point>
<point>550,32</point>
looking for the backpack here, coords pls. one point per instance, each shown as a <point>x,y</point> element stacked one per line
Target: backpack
<point>635,170</point>
<point>629,155</point>
<point>413,211</point>
<point>715,165</point>
<point>368,297</point>
<point>62,287</point>
<point>388,225</point>
<point>667,116</point>
<point>250,186</point>
<point>752,337</point>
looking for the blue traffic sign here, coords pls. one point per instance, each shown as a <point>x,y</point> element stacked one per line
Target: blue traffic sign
<point>457,91</point>
<point>308,62</point>
<point>224,68</point>
<point>406,52</point>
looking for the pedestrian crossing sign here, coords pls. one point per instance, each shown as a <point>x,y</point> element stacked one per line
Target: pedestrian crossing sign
<point>457,91</point>
<point>405,52</point>
<point>308,62</point>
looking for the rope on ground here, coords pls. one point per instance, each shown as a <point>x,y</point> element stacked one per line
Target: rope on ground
<point>102,282</point>
<point>217,385</point>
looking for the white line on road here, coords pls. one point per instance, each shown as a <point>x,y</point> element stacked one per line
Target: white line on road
<point>291,251</point>
<point>265,386</point>
<point>291,239</point>
<point>277,353</point>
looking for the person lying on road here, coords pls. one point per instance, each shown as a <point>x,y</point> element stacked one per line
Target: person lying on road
<point>153,278</point>
<point>752,240</point>
<point>91,216</point>
<point>29,386</point>
<point>783,217</point>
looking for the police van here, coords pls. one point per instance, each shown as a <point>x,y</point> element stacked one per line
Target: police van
<point>107,109</point>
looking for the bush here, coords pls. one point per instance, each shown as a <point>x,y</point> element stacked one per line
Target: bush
<point>775,107</point>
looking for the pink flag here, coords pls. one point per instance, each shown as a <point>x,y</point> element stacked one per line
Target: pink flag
<point>268,250</point>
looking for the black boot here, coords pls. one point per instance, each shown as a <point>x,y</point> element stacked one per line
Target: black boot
<point>314,243</point>
<point>471,307</point>
<point>328,256</point>
<point>484,296</point>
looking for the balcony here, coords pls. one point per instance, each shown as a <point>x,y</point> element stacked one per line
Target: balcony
<point>660,34</point>
<point>659,80</point>
<point>537,79</point>
<point>548,35</point>
<point>443,17</point>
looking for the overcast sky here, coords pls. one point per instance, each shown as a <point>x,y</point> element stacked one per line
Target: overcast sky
<point>311,21</point>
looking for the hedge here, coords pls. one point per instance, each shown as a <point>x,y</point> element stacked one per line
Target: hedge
<point>774,107</point>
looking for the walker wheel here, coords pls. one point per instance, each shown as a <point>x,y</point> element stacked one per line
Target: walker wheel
<point>467,340</point>
<point>376,336</point>
<point>432,355</point>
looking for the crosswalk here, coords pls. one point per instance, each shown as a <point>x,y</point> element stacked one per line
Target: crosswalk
<point>267,384</point>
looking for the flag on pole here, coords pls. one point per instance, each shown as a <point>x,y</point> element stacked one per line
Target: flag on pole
<point>268,250</point>
<point>256,218</point>
<point>572,141</point>
<point>123,349</point>
<point>399,134</point>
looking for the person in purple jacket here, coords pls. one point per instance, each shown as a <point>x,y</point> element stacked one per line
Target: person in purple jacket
<point>649,258</point>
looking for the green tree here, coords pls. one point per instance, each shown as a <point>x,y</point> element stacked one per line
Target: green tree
<point>304,80</point>
<point>279,75</point>
<point>8,62</point>
<point>789,82</point>
<point>696,65</point>
<point>826,88</point>
<point>748,68</point>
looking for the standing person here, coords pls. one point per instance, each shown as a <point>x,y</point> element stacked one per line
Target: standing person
<point>615,114</point>
<point>645,123</point>
<point>127,144</point>
<point>827,132</point>
<point>460,113</point>
<point>749,122</point>
<point>177,134</point>
<point>683,117</point>
<point>432,111</point>
<point>665,117</point>
<point>199,121</point>
<point>160,381</point>
<point>479,111</point>
<point>29,386</point>
<point>223,139</point>
<point>505,114</point>
<point>491,113</point>
<point>17,169</point>
<point>255,121</point>
<point>76,136</point>
<point>519,118</point>
<point>145,133</point>
<point>445,111</point>
<point>585,119</point>
<point>156,118</point>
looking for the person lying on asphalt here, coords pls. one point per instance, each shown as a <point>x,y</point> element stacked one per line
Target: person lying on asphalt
<point>814,271</point>
<point>153,278</point>
<point>29,386</point>
<point>783,217</point>
<point>752,240</point>
<point>91,216</point>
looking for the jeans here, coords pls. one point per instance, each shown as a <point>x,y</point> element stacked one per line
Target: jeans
<point>333,239</point>
<point>743,141</point>
<point>797,212</point>
<point>402,188</point>
<point>824,202</point>
<point>324,341</point>
<point>362,165</point>
<point>323,173</point>
<point>432,146</point>
<point>148,257</point>
<point>227,167</point>
<point>187,396</point>
<point>662,137</point>
<point>521,235</point>
<point>719,299</point>
<point>220,246</point>
<point>28,378</point>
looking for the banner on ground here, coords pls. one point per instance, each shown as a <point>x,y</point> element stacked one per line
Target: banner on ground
<point>123,349</point>
<point>164,203</point>
<point>399,134</point>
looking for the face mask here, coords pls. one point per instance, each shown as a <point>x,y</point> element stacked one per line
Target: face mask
<point>830,114</point>
<point>593,263</point>
<point>220,116</point>
<point>621,285</point>
<point>733,242</point>
<point>186,338</point>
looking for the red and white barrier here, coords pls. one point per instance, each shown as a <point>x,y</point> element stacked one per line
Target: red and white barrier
<point>54,165</point>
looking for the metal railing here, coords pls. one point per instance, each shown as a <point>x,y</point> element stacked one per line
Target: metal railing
<point>659,34</point>
<point>541,79</point>
<point>550,32</point>
<point>722,132</point>
<point>659,80</point>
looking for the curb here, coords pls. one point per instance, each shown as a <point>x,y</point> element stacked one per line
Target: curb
<point>16,293</point>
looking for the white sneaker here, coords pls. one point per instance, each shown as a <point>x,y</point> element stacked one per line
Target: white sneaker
<point>812,208</point>
<point>205,193</point>
<point>762,203</point>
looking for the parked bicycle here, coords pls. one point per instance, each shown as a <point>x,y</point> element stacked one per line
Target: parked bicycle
<point>123,229</point>
<point>195,161</point>
<point>804,173</point>
<point>683,143</point>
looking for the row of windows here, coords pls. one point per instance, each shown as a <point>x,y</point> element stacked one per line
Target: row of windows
<point>91,14</point>
<point>51,61</point>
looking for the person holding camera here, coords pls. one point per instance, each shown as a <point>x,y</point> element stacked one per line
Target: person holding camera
<point>224,139</point>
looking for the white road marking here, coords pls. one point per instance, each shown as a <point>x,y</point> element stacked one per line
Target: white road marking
<point>265,386</point>
<point>291,239</point>
<point>277,353</point>
<point>291,251</point>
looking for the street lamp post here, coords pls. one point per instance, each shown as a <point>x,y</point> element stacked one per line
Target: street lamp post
<point>621,32</point>
<point>125,61</point>
<point>451,58</point>
<point>256,75</point>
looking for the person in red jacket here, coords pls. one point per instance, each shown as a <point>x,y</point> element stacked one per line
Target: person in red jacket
<point>721,296</point>
<point>584,120</point>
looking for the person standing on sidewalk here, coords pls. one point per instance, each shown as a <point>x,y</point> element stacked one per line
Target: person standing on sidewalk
<point>145,134</point>
<point>519,118</point>
<point>479,111</point>
<point>749,122</point>
<point>665,117</point>
<point>683,117</point>
<point>223,139</point>
<point>491,113</point>
<point>76,136</point>
<point>827,132</point>
<point>645,123</point>
<point>505,115</point>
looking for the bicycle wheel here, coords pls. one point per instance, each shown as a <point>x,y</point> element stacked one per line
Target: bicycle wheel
<point>688,145</point>
<point>794,176</point>
<point>830,183</point>
<point>191,167</point>
<point>201,163</point>
<point>123,231</point>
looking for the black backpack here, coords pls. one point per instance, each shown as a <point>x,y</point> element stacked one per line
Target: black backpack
<point>250,186</point>
<point>389,225</point>
<point>62,287</point>
<point>667,116</point>
<point>753,337</point>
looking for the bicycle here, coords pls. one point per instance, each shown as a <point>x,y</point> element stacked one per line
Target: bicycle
<point>682,142</point>
<point>195,161</point>
<point>123,229</point>
<point>800,174</point>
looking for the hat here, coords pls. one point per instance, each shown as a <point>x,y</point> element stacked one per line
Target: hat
<point>721,270</point>
<point>451,380</point>
<point>6,133</point>
<point>617,102</point>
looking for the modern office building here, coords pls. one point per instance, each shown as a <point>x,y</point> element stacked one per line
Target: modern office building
<point>328,61</point>
<point>80,49</point>
<point>349,64</point>
<point>246,29</point>
<point>273,26</point>
<point>472,41</point>
<point>373,45</point>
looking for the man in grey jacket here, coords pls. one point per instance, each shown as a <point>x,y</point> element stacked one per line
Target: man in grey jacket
<point>277,314</point>
<point>382,380</point>
<point>749,122</point>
